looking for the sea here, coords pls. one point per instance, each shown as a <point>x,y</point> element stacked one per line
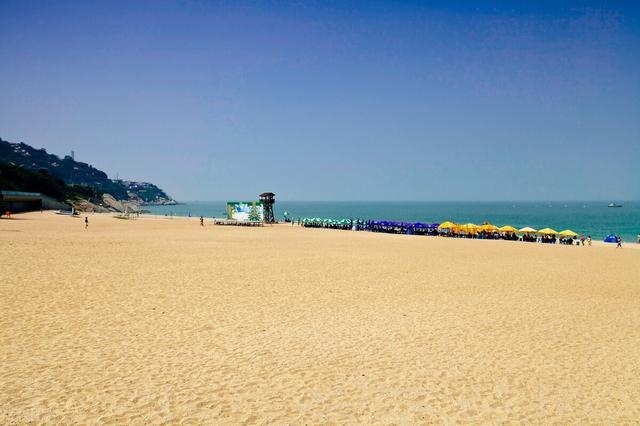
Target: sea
<point>584,217</point>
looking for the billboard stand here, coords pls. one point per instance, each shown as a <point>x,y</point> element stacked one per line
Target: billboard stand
<point>245,211</point>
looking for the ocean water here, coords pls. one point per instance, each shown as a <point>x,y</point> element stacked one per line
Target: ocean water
<point>589,217</point>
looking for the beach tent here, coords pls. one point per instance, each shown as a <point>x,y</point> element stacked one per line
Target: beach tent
<point>547,231</point>
<point>568,233</point>
<point>527,230</point>
<point>507,228</point>
<point>610,239</point>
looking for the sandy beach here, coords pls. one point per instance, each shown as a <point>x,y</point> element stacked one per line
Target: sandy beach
<point>160,320</point>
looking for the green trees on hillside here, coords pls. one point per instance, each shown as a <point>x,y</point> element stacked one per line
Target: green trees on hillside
<point>77,174</point>
<point>16,178</point>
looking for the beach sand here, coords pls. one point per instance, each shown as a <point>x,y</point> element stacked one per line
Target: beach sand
<point>159,320</point>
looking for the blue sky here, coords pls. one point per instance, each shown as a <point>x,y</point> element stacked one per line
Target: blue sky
<point>333,100</point>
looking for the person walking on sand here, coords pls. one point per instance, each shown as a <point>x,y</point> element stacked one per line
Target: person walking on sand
<point>582,239</point>
<point>589,240</point>
<point>619,242</point>
<point>201,220</point>
<point>86,222</point>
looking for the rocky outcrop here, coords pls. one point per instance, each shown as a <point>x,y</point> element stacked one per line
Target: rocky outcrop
<point>108,205</point>
<point>86,206</point>
<point>112,203</point>
<point>119,206</point>
<point>132,207</point>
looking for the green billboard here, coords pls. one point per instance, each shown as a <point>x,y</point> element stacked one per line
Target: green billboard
<point>251,211</point>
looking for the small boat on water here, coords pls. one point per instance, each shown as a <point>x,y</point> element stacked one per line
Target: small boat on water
<point>614,205</point>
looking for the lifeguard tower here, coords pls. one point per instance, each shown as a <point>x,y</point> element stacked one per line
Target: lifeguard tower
<point>268,200</point>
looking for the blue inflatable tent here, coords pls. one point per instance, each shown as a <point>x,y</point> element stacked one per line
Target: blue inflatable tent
<point>610,239</point>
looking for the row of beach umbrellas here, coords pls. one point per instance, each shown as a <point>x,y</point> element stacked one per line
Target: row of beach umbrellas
<point>472,228</point>
<point>374,223</point>
<point>467,228</point>
<point>321,221</point>
<point>416,225</point>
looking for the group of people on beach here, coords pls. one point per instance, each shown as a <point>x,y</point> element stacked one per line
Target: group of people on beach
<point>527,237</point>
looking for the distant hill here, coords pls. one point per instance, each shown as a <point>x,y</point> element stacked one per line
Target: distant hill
<point>74,172</point>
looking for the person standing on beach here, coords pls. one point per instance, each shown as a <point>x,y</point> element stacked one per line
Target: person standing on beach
<point>619,242</point>
<point>86,222</point>
<point>582,239</point>
<point>201,220</point>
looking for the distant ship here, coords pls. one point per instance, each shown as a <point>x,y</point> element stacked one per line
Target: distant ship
<point>614,205</point>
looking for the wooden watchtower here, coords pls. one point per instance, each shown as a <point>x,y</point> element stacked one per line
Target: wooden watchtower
<point>268,200</point>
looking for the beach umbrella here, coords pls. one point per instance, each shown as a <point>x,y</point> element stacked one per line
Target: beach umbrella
<point>470,228</point>
<point>507,228</point>
<point>487,227</point>
<point>447,225</point>
<point>527,230</point>
<point>547,231</point>
<point>568,233</point>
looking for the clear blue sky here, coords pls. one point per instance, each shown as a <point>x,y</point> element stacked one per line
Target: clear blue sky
<point>333,100</point>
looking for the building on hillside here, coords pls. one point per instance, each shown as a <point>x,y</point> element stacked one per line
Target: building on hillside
<point>19,201</point>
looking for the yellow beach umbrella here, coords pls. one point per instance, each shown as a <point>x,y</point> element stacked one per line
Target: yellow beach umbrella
<point>547,231</point>
<point>568,233</point>
<point>447,225</point>
<point>527,230</point>
<point>507,228</point>
<point>470,228</point>
<point>487,227</point>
